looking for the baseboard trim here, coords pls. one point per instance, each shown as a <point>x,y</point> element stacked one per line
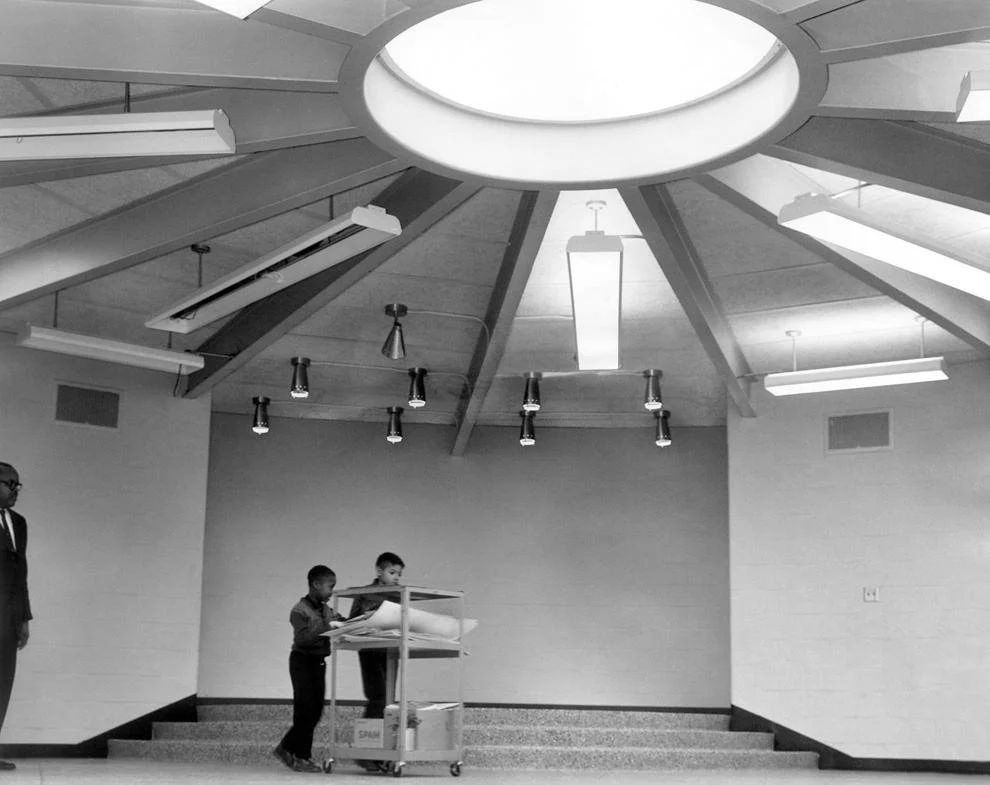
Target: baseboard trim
<point>487,705</point>
<point>183,710</point>
<point>789,740</point>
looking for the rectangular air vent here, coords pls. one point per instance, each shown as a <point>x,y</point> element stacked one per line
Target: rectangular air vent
<point>866,431</point>
<point>87,406</point>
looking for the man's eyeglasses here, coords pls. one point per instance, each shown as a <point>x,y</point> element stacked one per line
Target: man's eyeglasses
<point>13,485</point>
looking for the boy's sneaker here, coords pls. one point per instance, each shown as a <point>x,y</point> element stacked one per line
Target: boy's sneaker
<point>308,766</point>
<point>285,756</point>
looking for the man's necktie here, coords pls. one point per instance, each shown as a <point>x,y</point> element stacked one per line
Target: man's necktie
<point>7,536</point>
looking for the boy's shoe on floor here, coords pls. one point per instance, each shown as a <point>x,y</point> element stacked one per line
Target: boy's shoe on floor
<point>285,756</point>
<point>308,766</point>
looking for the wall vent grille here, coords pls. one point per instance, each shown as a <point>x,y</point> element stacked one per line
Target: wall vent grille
<point>865,431</point>
<point>87,406</point>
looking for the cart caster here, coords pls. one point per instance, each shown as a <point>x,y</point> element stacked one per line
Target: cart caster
<point>455,769</point>
<point>397,769</point>
<point>327,766</point>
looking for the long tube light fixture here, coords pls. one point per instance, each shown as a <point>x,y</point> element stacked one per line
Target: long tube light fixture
<point>94,348</point>
<point>116,135</point>
<point>594,264</point>
<point>834,222</point>
<point>973,103</point>
<point>330,244</point>
<point>850,377</point>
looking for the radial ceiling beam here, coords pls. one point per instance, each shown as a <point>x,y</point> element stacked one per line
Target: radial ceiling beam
<point>866,31</point>
<point>759,187</point>
<point>817,8</point>
<point>223,200</point>
<point>338,35</point>
<point>656,214</point>
<point>262,120</point>
<point>149,44</point>
<point>530,225</point>
<point>913,158</point>
<point>418,199</point>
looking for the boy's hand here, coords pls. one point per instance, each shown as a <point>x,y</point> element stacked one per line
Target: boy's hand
<point>336,625</point>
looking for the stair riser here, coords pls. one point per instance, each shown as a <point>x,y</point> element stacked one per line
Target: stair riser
<point>514,758</point>
<point>476,716</point>
<point>494,736</point>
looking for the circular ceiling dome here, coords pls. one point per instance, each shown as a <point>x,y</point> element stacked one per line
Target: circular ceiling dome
<point>573,93</point>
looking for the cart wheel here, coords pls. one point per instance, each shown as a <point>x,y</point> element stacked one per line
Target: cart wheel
<point>387,767</point>
<point>397,771</point>
<point>327,766</point>
<point>455,769</point>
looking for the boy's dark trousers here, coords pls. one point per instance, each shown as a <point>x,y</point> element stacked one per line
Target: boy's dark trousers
<point>374,670</point>
<point>309,687</point>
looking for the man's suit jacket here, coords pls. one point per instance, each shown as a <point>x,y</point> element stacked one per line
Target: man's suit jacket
<point>15,604</point>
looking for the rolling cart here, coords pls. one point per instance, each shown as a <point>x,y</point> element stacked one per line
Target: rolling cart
<point>399,651</point>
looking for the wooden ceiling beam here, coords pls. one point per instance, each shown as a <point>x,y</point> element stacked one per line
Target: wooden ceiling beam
<point>956,312</point>
<point>221,201</point>
<point>418,199</point>
<point>913,158</point>
<point>149,44</point>
<point>655,212</point>
<point>526,236</point>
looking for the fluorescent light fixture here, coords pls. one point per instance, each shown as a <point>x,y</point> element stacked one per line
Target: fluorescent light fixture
<point>327,245</point>
<point>594,262</point>
<point>851,377</point>
<point>849,227</point>
<point>973,103</point>
<point>115,135</point>
<point>239,8</point>
<point>79,345</point>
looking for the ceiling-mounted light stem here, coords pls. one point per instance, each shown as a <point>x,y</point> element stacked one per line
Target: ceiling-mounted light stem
<point>200,249</point>
<point>127,97</point>
<point>394,433</point>
<point>395,345</point>
<point>300,378</point>
<point>531,392</point>
<point>922,321</point>
<point>527,430</point>
<point>663,428</point>
<point>596,206</point>
<point>652,399</point>
<point>260,424</point>
<point>417,387</point>
<point>55,309</point>
<point>793,335</point>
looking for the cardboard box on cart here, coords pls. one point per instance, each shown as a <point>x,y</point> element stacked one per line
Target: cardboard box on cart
<point>432,723</point>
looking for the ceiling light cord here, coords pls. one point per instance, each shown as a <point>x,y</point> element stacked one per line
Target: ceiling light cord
<point>923,321</point>
<point>470,317</point>
<point>793,335</point>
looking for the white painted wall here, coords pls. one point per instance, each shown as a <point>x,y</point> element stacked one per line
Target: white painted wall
<point>597,563</point>
<point>115,546</point>
<point>908,677</point>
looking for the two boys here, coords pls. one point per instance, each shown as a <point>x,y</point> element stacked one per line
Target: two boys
<point>310,618</point>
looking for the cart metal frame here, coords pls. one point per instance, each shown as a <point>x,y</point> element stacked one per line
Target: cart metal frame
<point>399,652</point>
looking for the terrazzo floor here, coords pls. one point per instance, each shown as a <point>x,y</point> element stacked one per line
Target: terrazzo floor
<point>40,771</point>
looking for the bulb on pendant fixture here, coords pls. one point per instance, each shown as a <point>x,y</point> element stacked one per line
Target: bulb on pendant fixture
<point>663,428</point>
<point>652,399</point>
<point>300,378</point>
<point>527,431</point>
<point>394,433</point>
<point>417,387</point>
<point>531,394</point>
<point>395,345</point>
<point>260,425</point>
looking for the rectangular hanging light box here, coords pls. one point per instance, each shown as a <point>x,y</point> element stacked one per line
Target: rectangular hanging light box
<point>834,222</point>
<point>94,348</point>
<point>115,135</point>
<point>851,377</point>
<point>239,8</point>
<point>327,245</point>
<point>594,263</point>
<point>973,103</point>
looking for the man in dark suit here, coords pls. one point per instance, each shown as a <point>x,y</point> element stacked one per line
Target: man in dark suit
<point>15,607</point>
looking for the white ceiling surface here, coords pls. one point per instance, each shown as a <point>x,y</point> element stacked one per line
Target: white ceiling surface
<point>765,283</point>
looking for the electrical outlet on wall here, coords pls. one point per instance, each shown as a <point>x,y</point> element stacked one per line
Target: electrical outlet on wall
<point>871,594</point>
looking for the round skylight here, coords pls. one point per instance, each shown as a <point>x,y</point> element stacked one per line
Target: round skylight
<point>577,61</point>
<point>575,94</point>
